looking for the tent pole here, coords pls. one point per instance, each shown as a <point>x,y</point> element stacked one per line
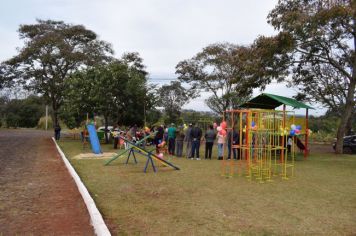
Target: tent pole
<point>306,134</point>
<point>283,138</point>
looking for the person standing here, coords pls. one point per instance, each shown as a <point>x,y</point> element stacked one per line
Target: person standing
<point>188,140</point>
<point>289,144</point>
<point>171,139</point>
<point>179,143</point>
<point>158,137</point>
<point>195,136</point>
<point>116,136</point>
<point>210,136</point>
<point>131,134</point>
<point>232,139</point>
<point>221,142</point>
<point>57,132</point>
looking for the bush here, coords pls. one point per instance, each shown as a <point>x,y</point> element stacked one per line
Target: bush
<point>23,112</point>
<point>12,120</point>
<point>322,137</point>
<point>42,123</point>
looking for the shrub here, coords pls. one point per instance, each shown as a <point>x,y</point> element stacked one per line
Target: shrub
<point>42,123</point>
<point>12,120</point>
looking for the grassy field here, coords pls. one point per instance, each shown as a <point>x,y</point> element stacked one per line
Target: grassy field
<point>319,200</point>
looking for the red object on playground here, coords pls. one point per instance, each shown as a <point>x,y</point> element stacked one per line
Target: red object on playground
<point>223,132</point>
<point>223,125</point>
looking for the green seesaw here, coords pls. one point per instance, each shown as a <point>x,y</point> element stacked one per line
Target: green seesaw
<point>134,147</point>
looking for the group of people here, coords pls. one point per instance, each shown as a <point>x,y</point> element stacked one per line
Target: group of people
<point>173,139</point>
<point>193,136</point>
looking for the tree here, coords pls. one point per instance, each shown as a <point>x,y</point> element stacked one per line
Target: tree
<point>220,69</point>
<point>3,101</point>
<point>138,98</point>
<point>172,98</point>
<point>23,112</point>
<point>316,44</point>
<point>117,91</point>
<point>330,90</point>
<point>52,52</point>
<point>99,90</point>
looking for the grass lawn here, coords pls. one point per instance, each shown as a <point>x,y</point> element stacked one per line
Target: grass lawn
<point>319,200</point>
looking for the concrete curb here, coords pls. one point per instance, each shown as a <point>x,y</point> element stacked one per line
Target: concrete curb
<point>97,221</point>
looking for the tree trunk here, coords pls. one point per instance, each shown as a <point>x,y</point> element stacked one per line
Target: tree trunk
<point>350,103</point>
<point>55,113</point>
<point>346,115</point>
<point>349,124</point>
<point>118,119</point>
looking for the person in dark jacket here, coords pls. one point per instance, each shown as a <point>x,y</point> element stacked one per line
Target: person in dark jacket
<point>232,139</point>
<point>57,132</point>
<point>158,137</point>
<point>195,136</point>
<point>210,136</point>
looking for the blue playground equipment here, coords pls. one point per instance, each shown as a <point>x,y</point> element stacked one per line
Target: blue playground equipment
<point>94,140</point>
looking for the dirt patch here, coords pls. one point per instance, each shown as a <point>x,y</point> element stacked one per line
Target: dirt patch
<point>88,156</point>
<point>37,194</point>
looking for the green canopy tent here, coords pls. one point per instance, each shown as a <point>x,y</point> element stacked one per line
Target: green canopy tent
<point>272,101</point>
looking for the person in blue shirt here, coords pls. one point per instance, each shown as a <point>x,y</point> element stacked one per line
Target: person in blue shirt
<point>171,139</point>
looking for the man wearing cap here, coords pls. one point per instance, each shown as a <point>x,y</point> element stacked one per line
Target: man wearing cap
<point>171,139</point>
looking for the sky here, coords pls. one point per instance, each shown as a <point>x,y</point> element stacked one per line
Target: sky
<point>164,32</point>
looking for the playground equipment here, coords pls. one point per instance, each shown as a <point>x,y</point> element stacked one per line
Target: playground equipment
<point>93,138</point>
<point>264,148</point>
<point>136,148</point>
<point>272,101</point>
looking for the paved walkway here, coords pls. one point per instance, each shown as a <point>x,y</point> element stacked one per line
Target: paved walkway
<point>37,194</point>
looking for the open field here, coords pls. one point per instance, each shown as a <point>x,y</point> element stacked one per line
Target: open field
<point>319,200</point>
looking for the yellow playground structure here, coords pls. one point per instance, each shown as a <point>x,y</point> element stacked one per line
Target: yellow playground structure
<point>265,139</point>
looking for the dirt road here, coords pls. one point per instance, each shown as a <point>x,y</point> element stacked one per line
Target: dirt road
<point>37,194</point>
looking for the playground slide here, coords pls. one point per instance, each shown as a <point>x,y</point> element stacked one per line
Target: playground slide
<point>299,143</point>
<point>94,140</point>
<point>155,157</point>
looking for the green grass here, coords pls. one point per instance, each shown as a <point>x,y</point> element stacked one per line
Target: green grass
<point>319,200</point>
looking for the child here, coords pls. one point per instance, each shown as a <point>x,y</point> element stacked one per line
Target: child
<point>289,143</point>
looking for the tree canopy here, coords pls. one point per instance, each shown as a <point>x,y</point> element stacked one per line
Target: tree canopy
<point>118,91</point>
<point>316,44</point>
<point>222,70</point>
<point>172,97</point>
<point>52,52</point>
